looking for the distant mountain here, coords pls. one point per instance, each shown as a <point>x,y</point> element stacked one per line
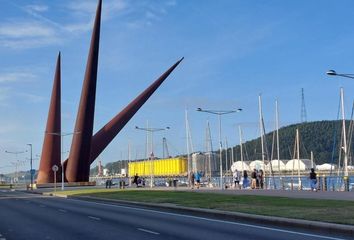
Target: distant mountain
<point>319,137</point>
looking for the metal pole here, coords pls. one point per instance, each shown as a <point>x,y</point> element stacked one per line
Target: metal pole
<point>220,156</point>
<point>31,171</point>
<point>62,162</point>
<point>344,135</point>
<point>298,157</point>
<point>151,157</point>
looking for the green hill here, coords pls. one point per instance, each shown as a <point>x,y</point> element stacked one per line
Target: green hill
<point>318,137</point>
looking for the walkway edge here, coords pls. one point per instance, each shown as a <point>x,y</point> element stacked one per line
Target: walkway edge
<point>280,221</point>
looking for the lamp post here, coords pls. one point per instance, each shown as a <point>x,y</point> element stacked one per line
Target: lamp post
<point>220,113</point>
<point>151,131</point>
<point>62,135</point>
<point>31,171</point>
<point>346,75</point>
<point>334,73</point>
<point>17,161</point>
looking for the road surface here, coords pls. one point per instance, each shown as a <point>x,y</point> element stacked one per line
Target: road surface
<point>33,216</point>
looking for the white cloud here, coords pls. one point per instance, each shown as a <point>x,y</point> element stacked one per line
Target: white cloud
<point>4,95</point>
<point>85,11</point>
<point>16,77</point>
<point>31,97</point>
<point>85,7</point>
<point>22,35</point>
<point>78,27</point>
<point>37,8</point>
<point>25,29</point>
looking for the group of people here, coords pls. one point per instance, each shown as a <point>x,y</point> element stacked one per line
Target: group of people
<point>194,179</point>
<point>138,181</point>
<point>257,179</point>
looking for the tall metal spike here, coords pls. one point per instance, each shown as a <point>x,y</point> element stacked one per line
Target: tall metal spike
<point>106,134</point>
<point>51,145</point>
<point>78,166</point>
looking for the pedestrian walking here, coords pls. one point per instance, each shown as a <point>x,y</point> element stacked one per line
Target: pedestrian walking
<point>260,177</point>
<point>136,179</point>
<point>191,179</point>
<point>245,180</point>
<point>236,179</point>
<point>254,179</point>
<point>313,180</point>
<point>198,176</point>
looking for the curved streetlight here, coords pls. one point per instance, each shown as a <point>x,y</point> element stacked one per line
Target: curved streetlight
<point>334,73</point>
<point>346,75</point>
<point>17,161</point>
<point>31,171</point>
<point>151,131</point>
<point>219,113</point>
<point>62,135</point>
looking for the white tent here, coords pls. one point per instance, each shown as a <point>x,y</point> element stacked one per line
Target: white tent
<point>256,164</point>
<point>238,166</point>
<point>295,164</point>
<point>326,167</point>
<point>277,165</point>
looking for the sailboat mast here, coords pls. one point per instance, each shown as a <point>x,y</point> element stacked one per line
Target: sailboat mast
<point>226,156</point>
<point>240,132</point>
<point>344,134</point>
<point>298,157</point>
<point>277,132</point>
<point>129,160</point>
<point>188,145</point>
<point>261,130</point>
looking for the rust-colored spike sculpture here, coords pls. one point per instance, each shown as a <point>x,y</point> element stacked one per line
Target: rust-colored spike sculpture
<point>78,166</point>
<point>106,134</point>
<point>51,146</point>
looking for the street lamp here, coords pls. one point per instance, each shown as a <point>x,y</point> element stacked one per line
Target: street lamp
<point>31,171</point>
<point>17,161</point>
<point>62,135</point>
<point>334,73</point>
<point>151,131</point>
<point>347,75</point>
<point>219,113</point>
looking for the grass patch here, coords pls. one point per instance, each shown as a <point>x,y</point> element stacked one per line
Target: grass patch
<point>334,211</point>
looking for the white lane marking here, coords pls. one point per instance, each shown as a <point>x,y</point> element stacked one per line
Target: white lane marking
<point>2,238</point>
<point>212,220</point>
<point>148,231</point>
<point>94,218</point>
<point>62,210</point>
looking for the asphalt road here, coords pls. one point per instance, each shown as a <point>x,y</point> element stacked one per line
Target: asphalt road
<point>31,216</point>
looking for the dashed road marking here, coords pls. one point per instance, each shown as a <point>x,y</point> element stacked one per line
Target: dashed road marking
<point>214,220</point>
<point>95,218</point>
<point>148,231</point>
<point>62,210</point>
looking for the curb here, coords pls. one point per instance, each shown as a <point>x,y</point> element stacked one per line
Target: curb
<point>279,221</point>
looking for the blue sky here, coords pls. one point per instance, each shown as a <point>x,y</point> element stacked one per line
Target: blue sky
<point>234,50</point>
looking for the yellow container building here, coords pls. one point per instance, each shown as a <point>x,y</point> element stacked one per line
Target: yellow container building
<point>159,167</point>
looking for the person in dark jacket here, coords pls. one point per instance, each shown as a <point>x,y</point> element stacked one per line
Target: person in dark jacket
<point>313,179</point>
